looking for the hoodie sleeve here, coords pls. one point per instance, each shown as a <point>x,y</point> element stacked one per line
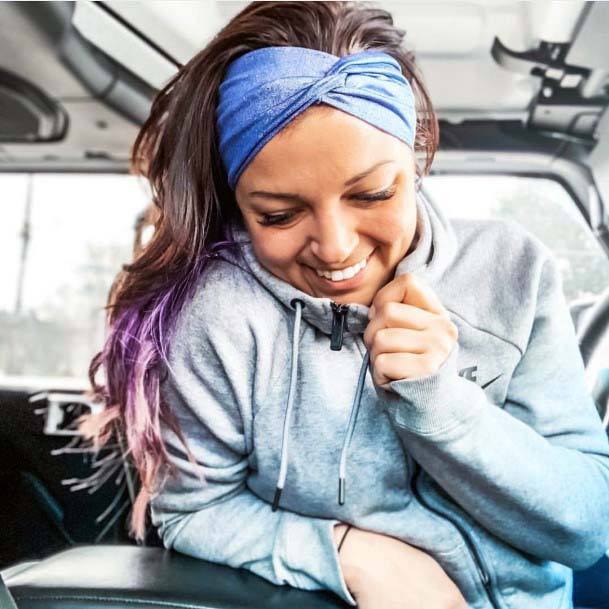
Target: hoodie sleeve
<point>208,387</point>
<point>535,473</point>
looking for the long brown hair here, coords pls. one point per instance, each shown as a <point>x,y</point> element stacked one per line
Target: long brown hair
<point>176,150</point>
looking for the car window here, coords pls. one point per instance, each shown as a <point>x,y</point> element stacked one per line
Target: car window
<point>63,238</point>
<point>544,208</point>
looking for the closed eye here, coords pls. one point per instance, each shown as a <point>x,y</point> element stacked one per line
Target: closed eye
<point>272,219</point>
<point>383,195</point>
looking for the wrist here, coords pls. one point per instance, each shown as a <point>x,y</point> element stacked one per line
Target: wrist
<point>354,545</point>
<point>338,533</point>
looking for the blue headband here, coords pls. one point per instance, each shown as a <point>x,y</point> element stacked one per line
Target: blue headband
<point>265,89</point>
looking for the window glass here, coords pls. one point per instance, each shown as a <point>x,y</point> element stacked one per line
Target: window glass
<point>63,238</point>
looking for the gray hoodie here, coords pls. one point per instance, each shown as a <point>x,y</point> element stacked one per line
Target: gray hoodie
<point>497,465</point>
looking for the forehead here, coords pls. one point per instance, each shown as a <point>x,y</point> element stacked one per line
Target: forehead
<point>323,145</point>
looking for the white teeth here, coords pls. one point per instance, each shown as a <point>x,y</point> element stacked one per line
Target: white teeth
<point>344,274</point>
<point>347,274</point>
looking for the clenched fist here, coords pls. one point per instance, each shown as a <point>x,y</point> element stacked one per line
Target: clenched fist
<point>410,333</point>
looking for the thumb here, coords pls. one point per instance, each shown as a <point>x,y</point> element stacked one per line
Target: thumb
<point>418,294</point>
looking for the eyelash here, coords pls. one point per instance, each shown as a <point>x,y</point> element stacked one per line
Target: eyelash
<point>273,219</point>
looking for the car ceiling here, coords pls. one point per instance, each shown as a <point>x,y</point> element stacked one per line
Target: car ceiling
<point>448,38</point>
<point>102,62</point>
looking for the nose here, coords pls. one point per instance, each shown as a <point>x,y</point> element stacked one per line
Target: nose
<point>334,238</point>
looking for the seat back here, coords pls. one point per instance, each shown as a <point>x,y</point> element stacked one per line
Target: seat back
<point>102,576</point>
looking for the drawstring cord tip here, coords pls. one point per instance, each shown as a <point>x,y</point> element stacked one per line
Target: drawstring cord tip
<point>341,491</point>
<point>276,499</point>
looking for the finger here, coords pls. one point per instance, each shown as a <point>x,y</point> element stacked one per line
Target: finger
<point>397,366</point>
<point>397,340</point>
<point>409,289</point>
<point>394,291</point>
<point>397,315</point>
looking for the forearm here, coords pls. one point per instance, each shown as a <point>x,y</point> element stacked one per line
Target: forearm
<point>505,474</point>
<point>243,532</point>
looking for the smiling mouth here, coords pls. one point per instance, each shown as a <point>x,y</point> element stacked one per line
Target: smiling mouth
<point>346,283</point>
<point>343,274</point>
<point>339,276</point>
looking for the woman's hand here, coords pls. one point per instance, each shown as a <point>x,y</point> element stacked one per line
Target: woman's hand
<point>383,572</point>
<point>410,333</point>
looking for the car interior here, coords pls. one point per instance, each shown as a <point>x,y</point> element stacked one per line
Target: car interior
<point>522,96</point>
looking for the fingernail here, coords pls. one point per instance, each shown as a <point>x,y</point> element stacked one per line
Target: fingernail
<point>371,312</point>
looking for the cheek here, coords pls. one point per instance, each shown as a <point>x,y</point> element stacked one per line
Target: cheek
<point>278,251</point>
<point>394,224</point>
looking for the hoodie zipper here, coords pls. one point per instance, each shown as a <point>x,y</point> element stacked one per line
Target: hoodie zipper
<point>478,560</point>
<point>339,325</point>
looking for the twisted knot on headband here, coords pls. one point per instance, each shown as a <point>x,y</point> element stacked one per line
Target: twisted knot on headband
<point>265,89</point>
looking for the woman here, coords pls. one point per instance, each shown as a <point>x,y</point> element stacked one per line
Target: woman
<point>307,355</point>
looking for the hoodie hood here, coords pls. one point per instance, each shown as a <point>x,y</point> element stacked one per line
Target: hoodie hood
<point>434,249</point>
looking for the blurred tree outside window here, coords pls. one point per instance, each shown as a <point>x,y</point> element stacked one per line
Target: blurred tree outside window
<point>63,239</point>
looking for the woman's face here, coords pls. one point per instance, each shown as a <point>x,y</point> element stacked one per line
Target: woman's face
<point>308,203</point>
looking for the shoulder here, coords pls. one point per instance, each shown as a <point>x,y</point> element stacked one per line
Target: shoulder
<point>496,276</point>
<point>223,337</point>
<point>499,236</point>
<point>503,247</point>
<point>225,307</point>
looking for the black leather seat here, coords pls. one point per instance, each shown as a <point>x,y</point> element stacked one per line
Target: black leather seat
<point>102,576</point>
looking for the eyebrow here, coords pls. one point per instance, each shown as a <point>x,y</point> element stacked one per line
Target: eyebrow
<point>288,196</point>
